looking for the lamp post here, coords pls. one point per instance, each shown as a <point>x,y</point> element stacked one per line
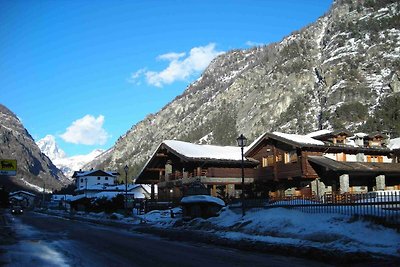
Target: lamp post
<point>86,187</point>
<point>242,141</point>
<point>126,168</point>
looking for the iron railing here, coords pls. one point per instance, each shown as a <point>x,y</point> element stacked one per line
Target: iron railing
<point>383,205</point>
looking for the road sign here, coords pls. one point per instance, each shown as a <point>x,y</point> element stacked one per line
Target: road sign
<point>8,167</point>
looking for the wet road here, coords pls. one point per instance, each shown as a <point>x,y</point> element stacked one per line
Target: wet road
<point>52,241</point>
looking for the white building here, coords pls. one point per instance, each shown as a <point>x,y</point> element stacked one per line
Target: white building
<point>98,184</point>
<point>88,179</point>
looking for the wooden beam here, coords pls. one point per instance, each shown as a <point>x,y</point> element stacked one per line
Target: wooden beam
<point>161,155</point>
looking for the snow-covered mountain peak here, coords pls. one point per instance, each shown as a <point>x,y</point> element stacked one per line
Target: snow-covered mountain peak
<point>49,147</point>
<point>67,165</point>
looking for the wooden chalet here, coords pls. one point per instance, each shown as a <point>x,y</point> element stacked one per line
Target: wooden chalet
<point>175,165</point>
<point>323,161</point>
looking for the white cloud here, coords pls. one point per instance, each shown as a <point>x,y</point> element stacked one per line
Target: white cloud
<point>86,131</point>
<point>171,56</point>
<point>181,65</point>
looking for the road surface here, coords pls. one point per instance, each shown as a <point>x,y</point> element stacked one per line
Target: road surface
<point>52,241</point>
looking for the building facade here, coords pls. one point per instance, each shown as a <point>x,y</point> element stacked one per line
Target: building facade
<point>175,165</point>
<point>324,161</point>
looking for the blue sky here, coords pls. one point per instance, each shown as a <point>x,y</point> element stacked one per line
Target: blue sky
<point>87,71</point>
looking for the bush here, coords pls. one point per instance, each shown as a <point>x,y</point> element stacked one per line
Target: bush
<point>106,205</point>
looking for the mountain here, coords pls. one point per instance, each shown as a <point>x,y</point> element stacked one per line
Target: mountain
<point>67,165</point>
<point>342,71</point>
<point>49,147</point>
<point>34,169</point>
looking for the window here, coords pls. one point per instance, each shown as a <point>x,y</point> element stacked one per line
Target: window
<point>374,159</point>
<point>106,178</point>
<point>290,157</point>
<point>268,161</point>
<point>98,178</point>
<point>81,180</point>
<point>264,162</point>
<point>341,157</point>
<point>287,158</point>
<point>293,156</point>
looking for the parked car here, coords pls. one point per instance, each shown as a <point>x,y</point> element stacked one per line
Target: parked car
<point>17,210</point>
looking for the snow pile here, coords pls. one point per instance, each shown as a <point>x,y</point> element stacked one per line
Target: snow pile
<point>279,226</point>
<point>203,199</point>
<point>161,218</point>
<point>326,231</point>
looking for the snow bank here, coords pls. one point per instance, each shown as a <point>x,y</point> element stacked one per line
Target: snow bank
<point>326,231</point>
<point>280,226</point>
<point>202,199</point>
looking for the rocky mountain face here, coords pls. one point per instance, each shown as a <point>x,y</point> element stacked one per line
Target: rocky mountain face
<point>66,164</point>
<point>343,71</point>
<point>35,170</point>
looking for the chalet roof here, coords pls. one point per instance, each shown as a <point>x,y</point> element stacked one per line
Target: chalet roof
<point>190,152</point>
<point>94,173</point>
<point>319,133</point>
<point>194,151</point>
<point>315,141</point>
<point>355,167</point>
<point>296,140</point>
<point>327,134</point>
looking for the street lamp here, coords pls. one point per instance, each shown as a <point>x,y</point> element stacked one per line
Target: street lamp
<point>242,142</point>
<point>86,187</point>
<point>126,168</point>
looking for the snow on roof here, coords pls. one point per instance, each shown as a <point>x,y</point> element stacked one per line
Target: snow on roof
<point>77,197</point>
<point>301,139</point>
<point>112,194</point>
<point>205,151</point>
<point>202,199</point>
<point>318,133</point>
<point>394,143</point>
<point>22,192</point>
<point>103,187</point>
<point>362,135</point>
<point>87,173</point>
<point>107,194</point>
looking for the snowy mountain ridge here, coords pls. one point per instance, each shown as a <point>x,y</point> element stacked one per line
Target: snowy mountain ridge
<point>67,165</point>
<point>34,169</point>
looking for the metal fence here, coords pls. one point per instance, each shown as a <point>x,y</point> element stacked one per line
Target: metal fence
<point>381,205</point>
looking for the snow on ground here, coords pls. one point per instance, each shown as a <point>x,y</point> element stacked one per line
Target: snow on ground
<point>332,232</point>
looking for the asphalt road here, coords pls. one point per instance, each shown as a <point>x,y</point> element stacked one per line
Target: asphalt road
<point>52,241</point>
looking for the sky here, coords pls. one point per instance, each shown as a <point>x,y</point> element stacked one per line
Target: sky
<point>87,71</point>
